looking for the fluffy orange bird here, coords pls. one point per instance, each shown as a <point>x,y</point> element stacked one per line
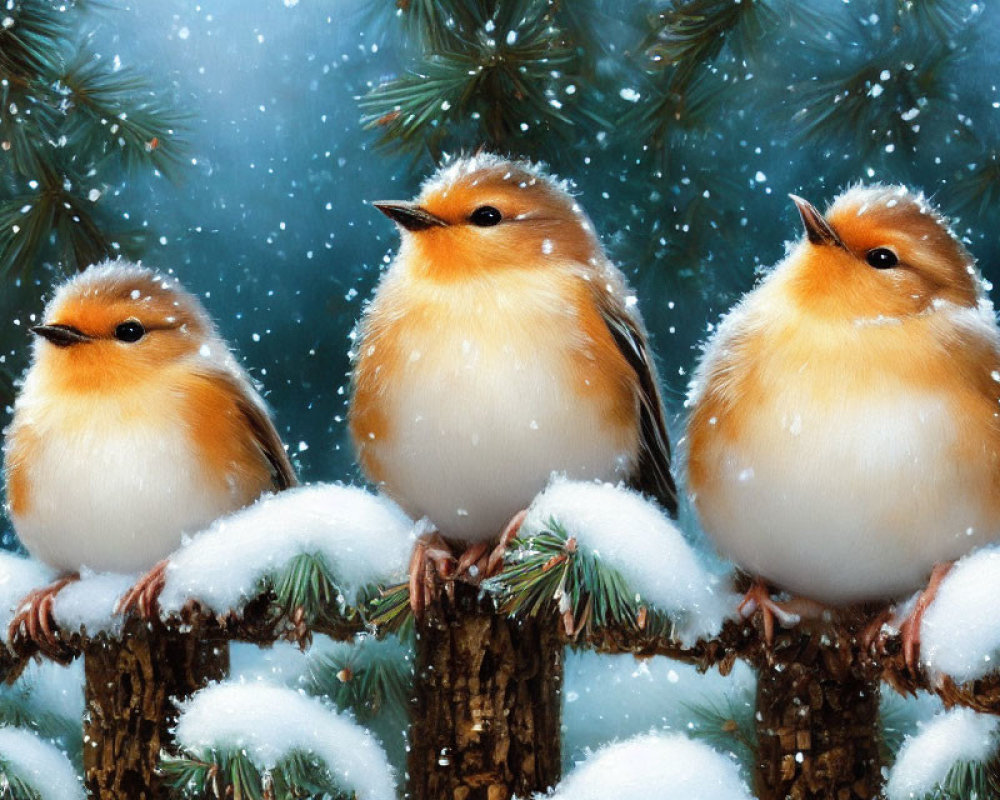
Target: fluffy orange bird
<point>501,346</point>
<point>844,439</point>
<point>134,425</point>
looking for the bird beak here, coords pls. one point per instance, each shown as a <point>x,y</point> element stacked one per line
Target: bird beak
<point>818,230</point>
<point>410,215</point>
<point>61,335</point>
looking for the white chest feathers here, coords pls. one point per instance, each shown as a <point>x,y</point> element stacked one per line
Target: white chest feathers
<point>110,490</point>
<point>485,409</point>
<point>845,502</point>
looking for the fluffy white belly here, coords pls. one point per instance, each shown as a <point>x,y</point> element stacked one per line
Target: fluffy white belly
<point>845,504</point>
<point>477,435</point>
<point>115,497</point>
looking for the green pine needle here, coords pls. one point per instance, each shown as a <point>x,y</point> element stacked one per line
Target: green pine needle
<point>688,35</point>
<point>547,572</point>
<point>390,610</point>
<point>306,592</point>
<point>17,787</point>
<point>728,725</point>
<point>231,774</point>
<point>370,679</point>
<point>495,79</point>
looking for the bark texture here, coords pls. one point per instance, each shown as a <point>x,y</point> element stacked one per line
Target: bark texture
<point>818,728</point>
<point>131,687</point>
<point>485,720</point>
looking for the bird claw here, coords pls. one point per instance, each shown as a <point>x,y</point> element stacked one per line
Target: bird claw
<point>143,599</point>
<point>35,624</point>
<point>758,598</point>
<point>431,559</point>
<point>876,638</point>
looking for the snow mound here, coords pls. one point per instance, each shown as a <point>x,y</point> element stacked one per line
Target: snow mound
<point>364,539</point>
<point>270,723</point>
<point>636,538</point>
<point>960,634</point>
<point>924,761</point>
<point>41,765</point>
<point>654,767</point>
<point>18,576</point>
<point>88,605</point>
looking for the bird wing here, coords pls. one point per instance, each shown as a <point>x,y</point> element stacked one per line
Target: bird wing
<point>652,475</point>
<point>259,422</point>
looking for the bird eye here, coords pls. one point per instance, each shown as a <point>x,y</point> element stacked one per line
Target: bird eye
<point>485,216</point>
<point>881,258</point>
<point>130,331</point>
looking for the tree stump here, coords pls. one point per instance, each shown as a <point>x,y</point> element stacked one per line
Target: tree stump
<point>485,719</point>
<point>818,733</point>
<point>132,683</point>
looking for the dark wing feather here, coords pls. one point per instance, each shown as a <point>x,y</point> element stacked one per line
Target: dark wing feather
<point>652,476</point>
<point>264,433</point>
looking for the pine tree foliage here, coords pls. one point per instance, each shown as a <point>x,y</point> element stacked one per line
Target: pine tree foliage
<point>71,125</point>
<point>232,774</point>
<point>491,73</point>
<point>14,786</point>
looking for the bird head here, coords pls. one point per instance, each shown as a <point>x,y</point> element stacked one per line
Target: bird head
<point>115,325</point>
<point>880,251</point>
<point>486,213</point>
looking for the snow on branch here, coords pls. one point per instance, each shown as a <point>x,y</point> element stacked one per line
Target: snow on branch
<point>318,546</point>
<point>18,576</point>
<point>960,635</point>
<point>610,558</point>
<point>948,743</point>
<point>274,736</point>
<point>31,767</point>
<point>654,767</point>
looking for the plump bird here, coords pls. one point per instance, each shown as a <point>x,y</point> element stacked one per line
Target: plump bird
<point>501,345</point>
<point>134,425</point>
<point>844,435</point>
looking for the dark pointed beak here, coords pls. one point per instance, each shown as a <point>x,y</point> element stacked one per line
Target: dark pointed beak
<point>409,215</point>
<point>61,335</point>
<point>818,230</point>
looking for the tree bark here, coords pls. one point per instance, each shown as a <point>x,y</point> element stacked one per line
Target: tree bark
<point>485,720</point>
<point>818,731</point>
<point>131,686</point>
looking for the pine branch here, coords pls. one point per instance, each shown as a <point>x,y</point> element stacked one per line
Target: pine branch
<point>16,787</point>
<point>727,725</point>
<point>497,80</point>
<point>31,43</point>
<point>689,34</point>
<point>113,113</point>
<point>548,569</point>
<point>370,679</point>
<point>232,774</point>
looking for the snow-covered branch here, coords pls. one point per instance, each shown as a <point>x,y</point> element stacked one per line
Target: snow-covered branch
<point>272,735</point>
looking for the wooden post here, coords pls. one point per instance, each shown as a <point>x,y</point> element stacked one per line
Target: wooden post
<point>131,685</point>
<point>485,719</point>
<point>818,731</point>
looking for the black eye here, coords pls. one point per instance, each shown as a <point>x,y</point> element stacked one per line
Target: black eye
<point>881,258</point>
<point>485,216</point>
<point>130,331</point>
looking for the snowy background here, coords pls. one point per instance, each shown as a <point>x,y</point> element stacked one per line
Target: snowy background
<point>268,224</point>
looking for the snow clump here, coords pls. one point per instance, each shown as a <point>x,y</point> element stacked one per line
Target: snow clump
<point>271,723</point>
<point>924,760</point>
<point>654,767</point>
<point>363,538</point>
<point>41,765</point>
<point>633,536</point>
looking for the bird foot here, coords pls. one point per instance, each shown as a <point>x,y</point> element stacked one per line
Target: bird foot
<point>34,623</point>
<point>481,560</point>
<point>787,613</point>
<point>432,559</point>
<point>908,626</point>
<point>433,562</point>
<point>143,598</point>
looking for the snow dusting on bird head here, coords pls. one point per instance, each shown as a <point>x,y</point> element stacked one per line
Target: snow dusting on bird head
<point>879,253</point>
<point>485,213</point>
<point>116,321</point>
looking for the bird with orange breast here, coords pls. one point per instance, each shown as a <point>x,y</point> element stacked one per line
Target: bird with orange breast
<point>844,437</point>
<point>134,426</point>
<point>501,346</point>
